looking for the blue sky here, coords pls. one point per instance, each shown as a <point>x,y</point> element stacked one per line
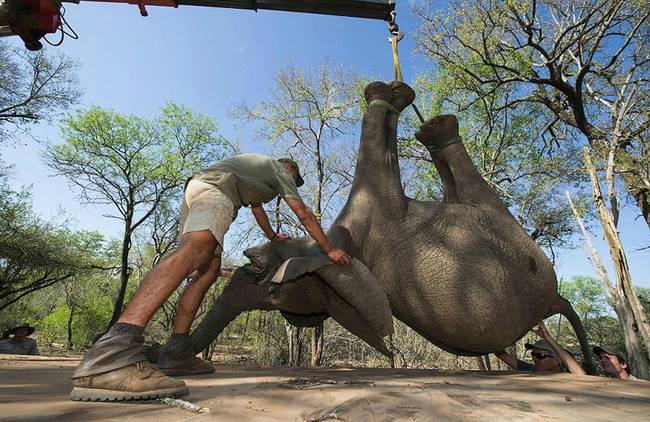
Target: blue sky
<point>209,59</point>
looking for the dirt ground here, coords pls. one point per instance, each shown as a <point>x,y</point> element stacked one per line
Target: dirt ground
<point>37,390</point>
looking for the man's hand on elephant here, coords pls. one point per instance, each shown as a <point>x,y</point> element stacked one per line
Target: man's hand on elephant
<point>279,237</point>
<point>339,257</point>
<point>541,330</point>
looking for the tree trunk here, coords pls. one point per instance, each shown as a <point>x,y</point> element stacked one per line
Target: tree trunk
<point>480,363</point>
<point>621,267</point>
<point>293,339</point>
<point>638,361</point>
<point>124,273</point>
<point>619,296</point>
<point>70,345</point>
<point>317,339</point>
<point>243,335</point>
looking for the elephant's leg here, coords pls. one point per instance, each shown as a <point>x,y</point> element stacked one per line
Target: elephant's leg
<point>440,136</point>
<point>449,192</point>
<point>377,172</point>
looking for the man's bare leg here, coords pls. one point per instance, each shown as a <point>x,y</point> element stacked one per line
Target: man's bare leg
<point>115,368</point>
<point>196,251</point>
<point>194,294</point>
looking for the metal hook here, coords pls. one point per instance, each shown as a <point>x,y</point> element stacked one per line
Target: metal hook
<point>143,9</point>
<point>393,28</point>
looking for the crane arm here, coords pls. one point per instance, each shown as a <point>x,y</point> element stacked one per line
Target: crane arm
<point>33,19</point>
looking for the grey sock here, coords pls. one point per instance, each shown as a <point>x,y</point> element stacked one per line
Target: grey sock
<point>126,328</point>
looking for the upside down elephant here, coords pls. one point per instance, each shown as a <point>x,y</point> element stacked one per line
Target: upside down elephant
<point>462,272</point>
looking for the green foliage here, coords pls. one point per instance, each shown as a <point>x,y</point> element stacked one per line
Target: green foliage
<point>559,76</point>
<point>34,253</point>
<point>126,161</point>
<point>53,328</point>
<point>587,295</point>
<point>135,165</point>
<point>33,87</point>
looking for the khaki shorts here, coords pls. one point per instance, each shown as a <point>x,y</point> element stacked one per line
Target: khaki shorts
<point>205,207</point>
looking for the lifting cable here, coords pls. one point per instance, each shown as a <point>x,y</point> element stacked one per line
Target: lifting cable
<point>395,37</point>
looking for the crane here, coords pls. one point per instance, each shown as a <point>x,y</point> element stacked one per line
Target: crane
<point>31,20</point>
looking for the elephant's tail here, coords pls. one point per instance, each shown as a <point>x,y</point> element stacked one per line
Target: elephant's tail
<point>564,307</point>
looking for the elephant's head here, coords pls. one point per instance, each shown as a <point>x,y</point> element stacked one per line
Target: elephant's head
<point>303,283</point>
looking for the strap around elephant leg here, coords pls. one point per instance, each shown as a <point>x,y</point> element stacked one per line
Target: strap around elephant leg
<point>386,104</point>
<point>442,145</point>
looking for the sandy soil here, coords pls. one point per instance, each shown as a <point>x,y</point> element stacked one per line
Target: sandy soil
<point>36,390</point>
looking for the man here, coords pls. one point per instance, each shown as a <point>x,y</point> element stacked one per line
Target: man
<point>115,367</point>
<point>614,363</point>
<point>19,344</point>
<point>548,356</point>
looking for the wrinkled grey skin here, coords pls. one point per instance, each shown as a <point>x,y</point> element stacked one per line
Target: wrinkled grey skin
<point>462,272</point>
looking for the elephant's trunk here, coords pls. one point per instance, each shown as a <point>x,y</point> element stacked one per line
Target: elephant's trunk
<point>240,295</point>
<point>213,324</point>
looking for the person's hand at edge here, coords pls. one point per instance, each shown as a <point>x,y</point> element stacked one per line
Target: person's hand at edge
<point>279,237</point>
<point>339,257</point>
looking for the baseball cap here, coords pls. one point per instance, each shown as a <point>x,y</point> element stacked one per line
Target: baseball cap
<point>299,180</point>
<point>599,351</point>
<point>541,345</point>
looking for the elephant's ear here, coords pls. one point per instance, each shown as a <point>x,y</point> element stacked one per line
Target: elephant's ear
<point>354,297</point>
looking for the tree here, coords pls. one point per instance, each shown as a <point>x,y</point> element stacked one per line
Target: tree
<point>33,87</point>
<point>621,295</point>
<point>133,164</point>
<point>309,115</point>
<point>35,254</point>
<point>585,62</point>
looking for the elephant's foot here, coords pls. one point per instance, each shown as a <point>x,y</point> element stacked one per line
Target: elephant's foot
<point>439,132</point>
<point>403,95</point>
<point>461,180</point>
<point>377,91</point>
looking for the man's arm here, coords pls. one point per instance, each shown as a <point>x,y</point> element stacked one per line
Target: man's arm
<point>263,220</point>
<point>508,359</point>
<point>571,364</point>
<point>309,220</point>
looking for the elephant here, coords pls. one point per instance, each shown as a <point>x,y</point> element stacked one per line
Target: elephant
<point>461,272</point>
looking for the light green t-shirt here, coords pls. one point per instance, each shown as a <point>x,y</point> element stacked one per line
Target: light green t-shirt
<point>250,178</point>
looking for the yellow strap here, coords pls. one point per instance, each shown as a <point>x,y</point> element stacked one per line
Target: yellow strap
<point>396,66</point>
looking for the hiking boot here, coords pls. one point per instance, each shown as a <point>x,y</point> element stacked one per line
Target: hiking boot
<point>177,358</point>
<point>138,381</point>
<point>192,366</point>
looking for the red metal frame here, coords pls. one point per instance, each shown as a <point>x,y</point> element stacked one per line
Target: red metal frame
<point>142,4</point>
<point>33,19</point>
